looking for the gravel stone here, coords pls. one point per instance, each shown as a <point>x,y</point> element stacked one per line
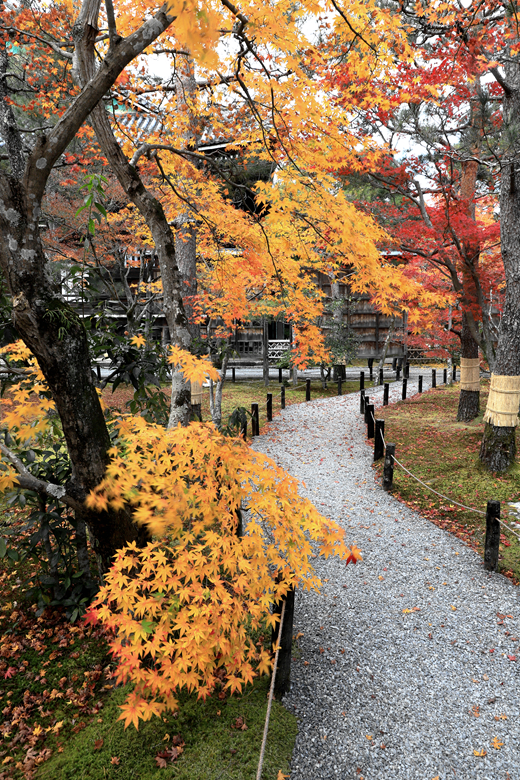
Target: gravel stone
<point>380,693</point>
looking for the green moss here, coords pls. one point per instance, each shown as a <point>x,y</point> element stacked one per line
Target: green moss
<point>214,750</point>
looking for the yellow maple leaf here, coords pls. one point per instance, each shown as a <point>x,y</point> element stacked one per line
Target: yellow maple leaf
<point>480,753</point>
<point>281,776</point>
<point>496,743</point>
<point>138,341</point>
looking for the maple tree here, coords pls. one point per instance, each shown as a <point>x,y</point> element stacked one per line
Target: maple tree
<point>436,191</point>
<point>182,609</point>
<point>483,39</point>
<point>300,221</point>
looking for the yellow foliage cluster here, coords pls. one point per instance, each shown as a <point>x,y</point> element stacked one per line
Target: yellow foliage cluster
<point>26,410</point>
<point>183,608</point>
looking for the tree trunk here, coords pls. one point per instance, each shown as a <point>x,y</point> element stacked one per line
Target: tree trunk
<point>56,336</point>
<point>152,211</point>
<point>498,448</point>
<point>215,394</point>
<point>265,352</point>
<point>49,327</point>
<point>469,400</point>
<point>384,353</point>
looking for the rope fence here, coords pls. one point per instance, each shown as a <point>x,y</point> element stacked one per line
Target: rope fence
<point>375,430</point>
<point>271,694</point>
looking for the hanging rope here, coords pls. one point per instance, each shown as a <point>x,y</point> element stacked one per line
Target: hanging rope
<point>271,692</point>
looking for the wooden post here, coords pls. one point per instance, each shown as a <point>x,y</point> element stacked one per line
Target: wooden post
<point>361,380</point>
<point>340,387</point>
<point>269,407</point>
<point>233,376</point>
<point>434,378</point>
<point>98,372</point>
<point>371,368</point>
<point>386,389</point>
<point>282,397</point>
<point>362,401</point>
<point>379,443</point>
<point>243,429</point>
<point>370,421</point>
<point>283,674</point>
<point>492,536</point>
<point>367,404</point>
<point>445,376</point>
<point>406,371</point>
<point>381,376</point>
<point>280,377</point>
<point>419,390</point>
<point>388,469</point>
<point>394,364</point>
<point>255,420</point>
<point>398,373</point>
<point>307,389</point>
<point>405,384</point>
<point>454,372</point>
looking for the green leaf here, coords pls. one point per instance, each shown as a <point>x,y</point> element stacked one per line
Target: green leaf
<point>3,547</point>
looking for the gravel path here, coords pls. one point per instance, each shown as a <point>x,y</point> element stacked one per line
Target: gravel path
<point>408,662</point>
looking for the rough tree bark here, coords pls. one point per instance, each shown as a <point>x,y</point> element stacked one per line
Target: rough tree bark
<point>185,223</point>
<point>498,447</point>
<point>469,400</point>
<point>49,327</point>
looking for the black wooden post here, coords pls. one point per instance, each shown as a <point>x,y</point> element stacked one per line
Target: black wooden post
<point>379,440</point>
<point>445,376</point>
<point>407,370</point>
<point>381,376</point>
<point>371,367</point>
<point>243,428</point>
<point>282,397</point>
<point>307,389</point>
<point>454,372</point>
<point>367,404</point>
<point>398,373</point>
<point>434,378</point>
<point>388,468</point>
<point>419,389</point>
<point>492,536</point>
<point>386,389</point>
<point>98,372</point>
<point>340,387</point>
<point>269,407</point>
<point>405,384</point>
<point>283,673</point>
<point>394,364</point>
<point>362,401</point>
<point>280,377</point>
<point>361,380</point>
<point>233,377</point>
<point>370,421</point>
<point>255,420</point>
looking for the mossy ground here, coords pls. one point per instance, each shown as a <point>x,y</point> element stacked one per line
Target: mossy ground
<point>214,748</point>
<point>60,711</point>
<point>443,453</point>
